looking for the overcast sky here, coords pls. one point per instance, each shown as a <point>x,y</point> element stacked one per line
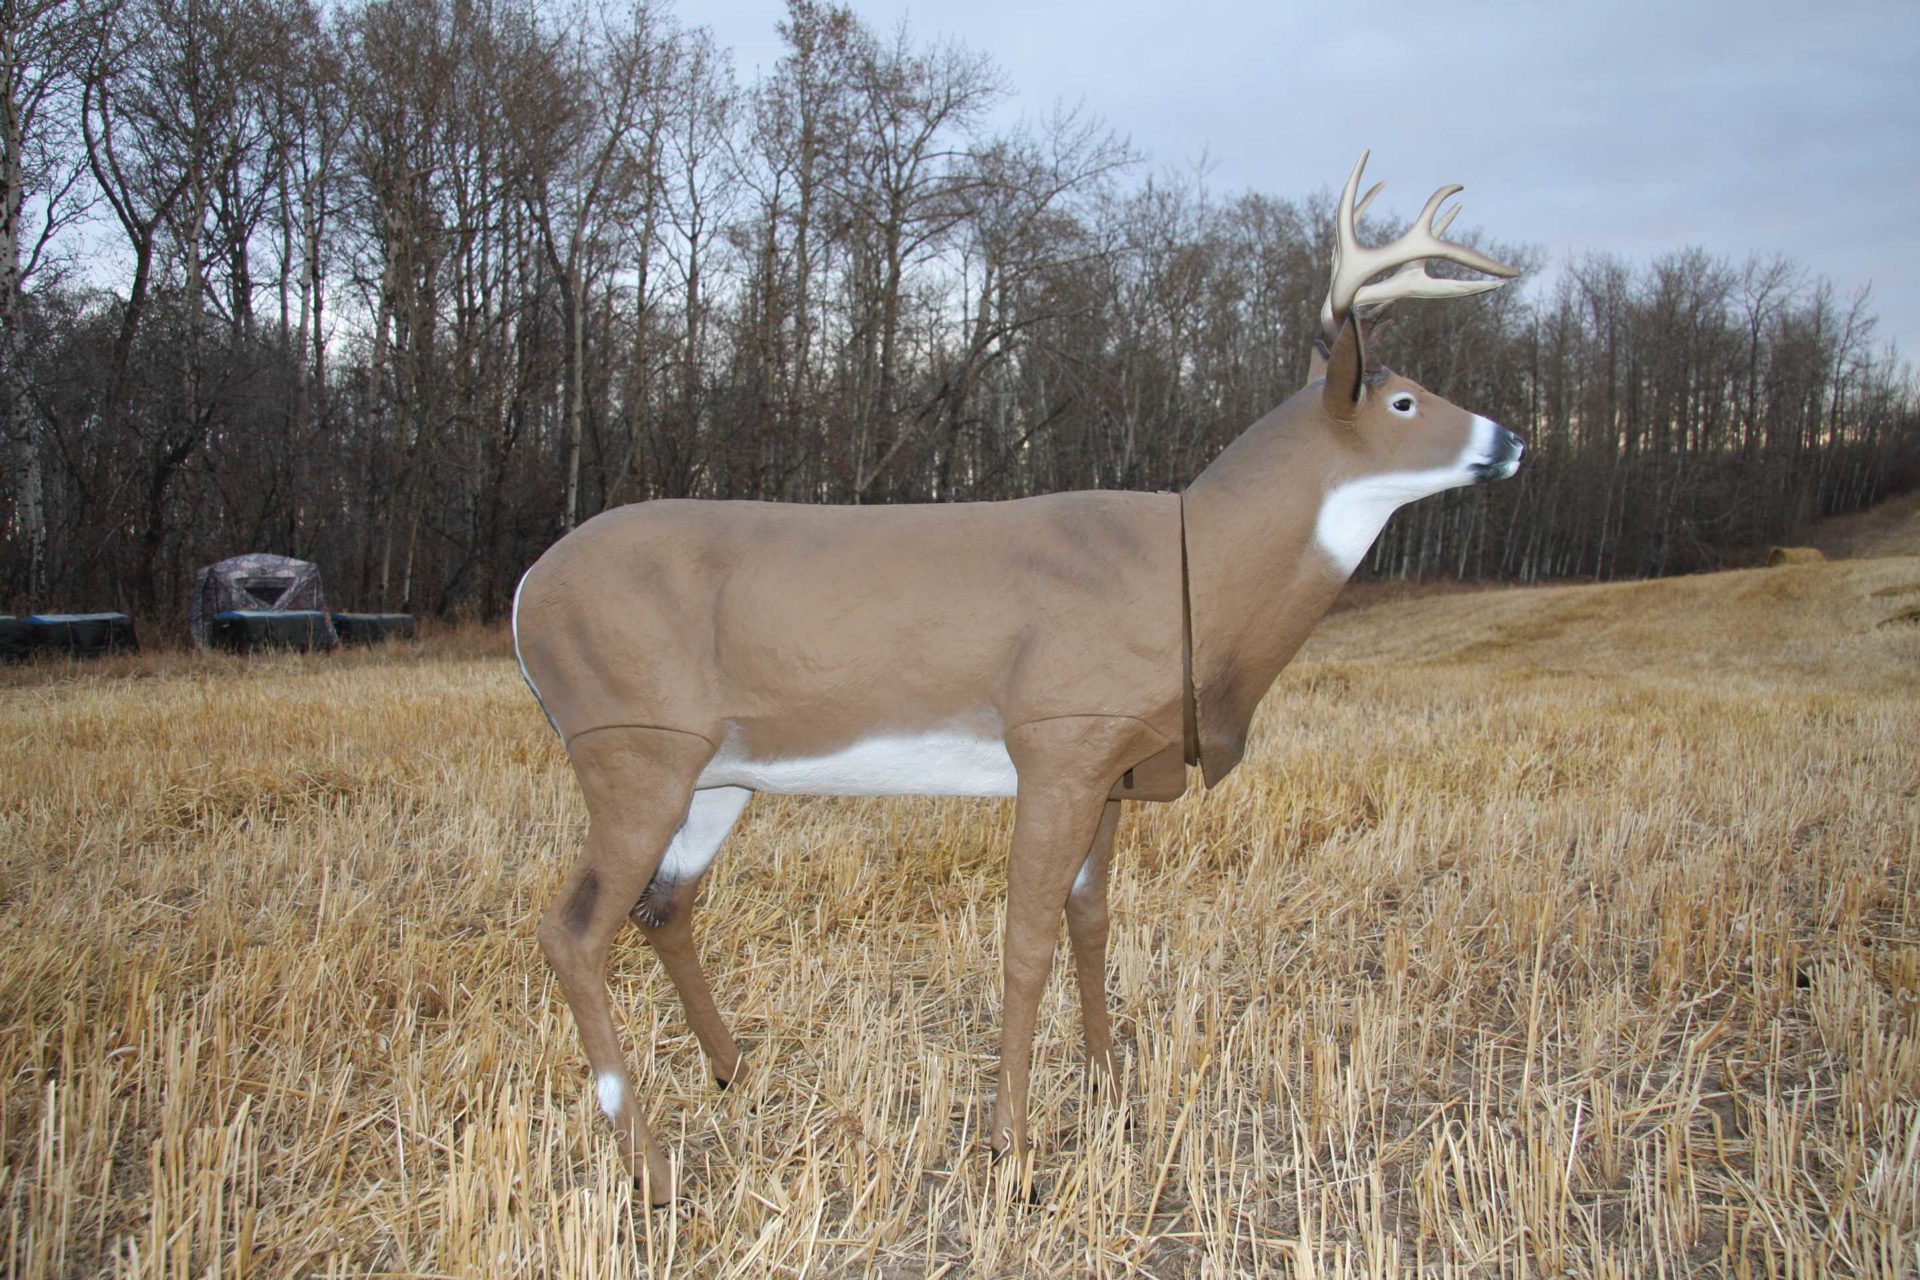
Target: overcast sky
<point>1626,127</point>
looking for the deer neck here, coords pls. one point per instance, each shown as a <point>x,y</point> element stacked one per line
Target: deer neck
<point>1261,573</point>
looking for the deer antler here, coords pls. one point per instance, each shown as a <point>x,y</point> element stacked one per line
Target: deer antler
<point>1354,263</point>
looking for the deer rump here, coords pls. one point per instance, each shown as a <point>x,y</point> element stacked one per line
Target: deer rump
<point>784,634</point>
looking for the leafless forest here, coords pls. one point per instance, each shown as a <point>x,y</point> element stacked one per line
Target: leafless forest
<point>409,287</point>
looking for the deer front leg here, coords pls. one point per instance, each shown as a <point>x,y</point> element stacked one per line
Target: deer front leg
<point>1087,931</point>
<point>1067,766</point>
<point>638,783</point>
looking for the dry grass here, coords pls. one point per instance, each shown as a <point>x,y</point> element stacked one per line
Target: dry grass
<point>1557,931</point>
<point>1888,528</point>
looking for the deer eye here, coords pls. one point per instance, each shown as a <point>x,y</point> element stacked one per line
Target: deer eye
<point>1402,404</point>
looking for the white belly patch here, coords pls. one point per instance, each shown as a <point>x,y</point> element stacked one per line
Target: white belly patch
<point>940,762</point>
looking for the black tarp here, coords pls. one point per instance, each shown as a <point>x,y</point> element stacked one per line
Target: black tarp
<point>372,628</point>
<point>16,639</point>
<point>82,635</point>
<point>248,630</point>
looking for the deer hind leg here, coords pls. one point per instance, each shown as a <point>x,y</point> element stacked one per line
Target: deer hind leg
<point>1066,767</point>
<point>665,915</point>
<point>1087,931</point>
<point>638,783</point>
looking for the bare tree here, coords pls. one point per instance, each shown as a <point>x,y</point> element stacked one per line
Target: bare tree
<point>801,129</point>
<point>698,197</point>
<point>908,185</point>
<point>577,152</point>
<point>44,46</point>
<point>159,112</point>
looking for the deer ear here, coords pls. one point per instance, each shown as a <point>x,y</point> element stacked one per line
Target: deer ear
<point>1346,373</point>
<point>1317,361</point>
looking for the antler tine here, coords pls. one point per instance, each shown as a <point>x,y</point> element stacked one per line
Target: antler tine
<point>1430,213</point>
<point>1347,212</point>
<point>1367,199</point>
<point>1354,263</point>
<point>1412,281</point>
<point>1346,243</point>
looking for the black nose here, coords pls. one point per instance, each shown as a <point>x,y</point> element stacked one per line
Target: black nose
<point>1503,458</point>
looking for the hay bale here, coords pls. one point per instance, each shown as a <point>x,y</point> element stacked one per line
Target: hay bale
<point>1794,555</point>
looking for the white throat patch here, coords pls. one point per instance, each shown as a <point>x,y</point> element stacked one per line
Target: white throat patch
<point>1352,514</point>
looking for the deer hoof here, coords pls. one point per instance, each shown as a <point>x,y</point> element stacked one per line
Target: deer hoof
<point>739,1061</point>
<point>683,1206</point>
<point>1027,1190</point>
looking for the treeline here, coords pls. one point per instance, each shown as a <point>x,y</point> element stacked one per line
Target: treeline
<point>410,287</point>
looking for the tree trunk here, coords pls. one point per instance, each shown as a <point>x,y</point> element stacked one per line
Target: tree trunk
<point>16,418</point>
<point>576,386</point>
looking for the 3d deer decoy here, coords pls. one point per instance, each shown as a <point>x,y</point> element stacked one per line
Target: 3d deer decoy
<point>1073,651</point>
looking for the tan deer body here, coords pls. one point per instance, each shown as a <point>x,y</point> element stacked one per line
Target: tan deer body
<point>1072,651</point>
<point>789,636</point>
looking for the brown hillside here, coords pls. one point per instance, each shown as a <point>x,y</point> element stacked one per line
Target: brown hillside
<point>1832,624</point>
<point>1890,528</point>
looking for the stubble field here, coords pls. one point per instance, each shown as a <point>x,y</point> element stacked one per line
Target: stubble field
<point>1559,931</point>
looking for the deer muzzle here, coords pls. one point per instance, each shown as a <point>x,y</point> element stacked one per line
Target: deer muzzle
<point>1503,456</point>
